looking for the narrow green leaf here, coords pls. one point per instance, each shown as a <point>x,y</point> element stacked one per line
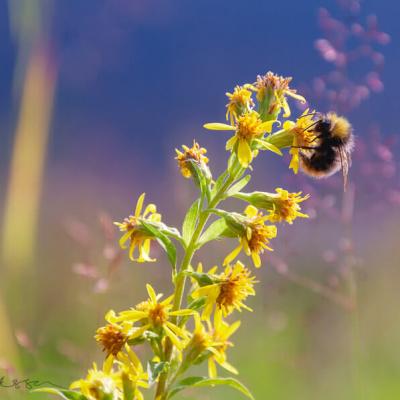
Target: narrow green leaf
<point>198,303</point>
<point>189,223</point>
<point>164,242</point>
<point>63,393</point>
<point>127,387</point>
<point>219,182</point>
<point>202,278</point>
<point>238,186</point>
<point>154,369</point>
<point>171,232</point>
<point>269,146</point>
<point>214,231</point>
<point>198,381</point>
<point>201,179</point>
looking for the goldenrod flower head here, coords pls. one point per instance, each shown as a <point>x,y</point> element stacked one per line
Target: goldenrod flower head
<point>282,205</point>
<point>135,232</point>
<point>249,129</point>
<point>303,136</point>
<point>132,371</point>
<point>201,340</point>
<point>112,337</point>
<point>221,332</point>
<point>286,206</point>
<point>155,315</point>
<point>100,384</point>
<point>195,154</point>
<point>230,289</point>
<point>272,91</point>
<point>255,238</point>
<point>240,102</point>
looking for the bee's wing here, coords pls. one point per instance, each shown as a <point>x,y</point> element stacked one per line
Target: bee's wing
<point>345,161</point>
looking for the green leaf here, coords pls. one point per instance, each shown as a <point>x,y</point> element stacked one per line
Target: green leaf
<point>201,178</point>
<point>198,303</point>
<point>189,223</point>
<point>268,146</point>
<point>171,232</point>
<point>202,278</point>
<point>199,381</point>
<point>127,386</point>
<point>219,182</point>
<point>63,393</point>
<point>217,229</point>
<point>238,186</point>
<point>154,369</point>
<point>164,242</point>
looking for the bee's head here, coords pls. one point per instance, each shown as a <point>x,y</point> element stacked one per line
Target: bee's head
<point>323,126</point>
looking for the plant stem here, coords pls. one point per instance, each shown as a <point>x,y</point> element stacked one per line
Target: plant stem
<point>181,277</point>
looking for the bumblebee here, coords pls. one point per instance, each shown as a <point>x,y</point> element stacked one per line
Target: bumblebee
<point>334,142</point>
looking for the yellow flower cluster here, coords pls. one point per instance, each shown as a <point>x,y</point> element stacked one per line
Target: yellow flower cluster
<point>135,231</point>
<point>195,325</point>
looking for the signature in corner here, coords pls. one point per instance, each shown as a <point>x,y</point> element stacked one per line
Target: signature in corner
<point>27,383</point>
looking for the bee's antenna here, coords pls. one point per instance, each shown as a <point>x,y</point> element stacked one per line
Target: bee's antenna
<point>310,126</point>
<point>306,115</point>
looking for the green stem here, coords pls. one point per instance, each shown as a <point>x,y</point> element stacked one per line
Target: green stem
<point>181,277</point>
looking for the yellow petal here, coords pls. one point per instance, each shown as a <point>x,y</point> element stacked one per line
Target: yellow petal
<point>231,143</point>
<point>294,162</point>
<point>244,153</point>
<point>229,367</point>
<point>212,369</point>
<point>256,259</point>
<point>288,125</point>
<point>173,337</point>
<point>251,211</point>
<point>216,126</point>
<point>132,249</point>
<point>151,208</point>
<point>286,108</point>
<point>267,126</point>
<point>139,205</point>
<point>124,238</point>
<point>232,255</point>
<point>152,293</point>
<point>183,312</point>
<point>296,96</point>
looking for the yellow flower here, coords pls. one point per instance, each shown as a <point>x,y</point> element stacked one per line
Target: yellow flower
<point>282,205</point>
<point>195,153</point>
<point>255,238</point>
<point>201,341</point>
<point>271,93</point>
<point>249,131</point>
<point>133,372</point>
<point>303,136</point>
<point>230,289</point>
<point>113,337</point>
<point>100,384</point>
<point>240,102</point>
<point>221,332</point>
<point>135,231</point>
<point>286,206</point>
<point>155,316</point>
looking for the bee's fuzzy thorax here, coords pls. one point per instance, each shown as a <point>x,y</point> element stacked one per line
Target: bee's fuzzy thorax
<point>340,126</point>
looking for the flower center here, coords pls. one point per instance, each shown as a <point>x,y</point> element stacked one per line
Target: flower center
<point>248,127</point>
<point>111,338</point>
<point>259,236</point>
<point>228,293</point>
<point>158,315</point>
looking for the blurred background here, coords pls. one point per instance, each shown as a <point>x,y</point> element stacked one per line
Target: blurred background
<point>94,97</point>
